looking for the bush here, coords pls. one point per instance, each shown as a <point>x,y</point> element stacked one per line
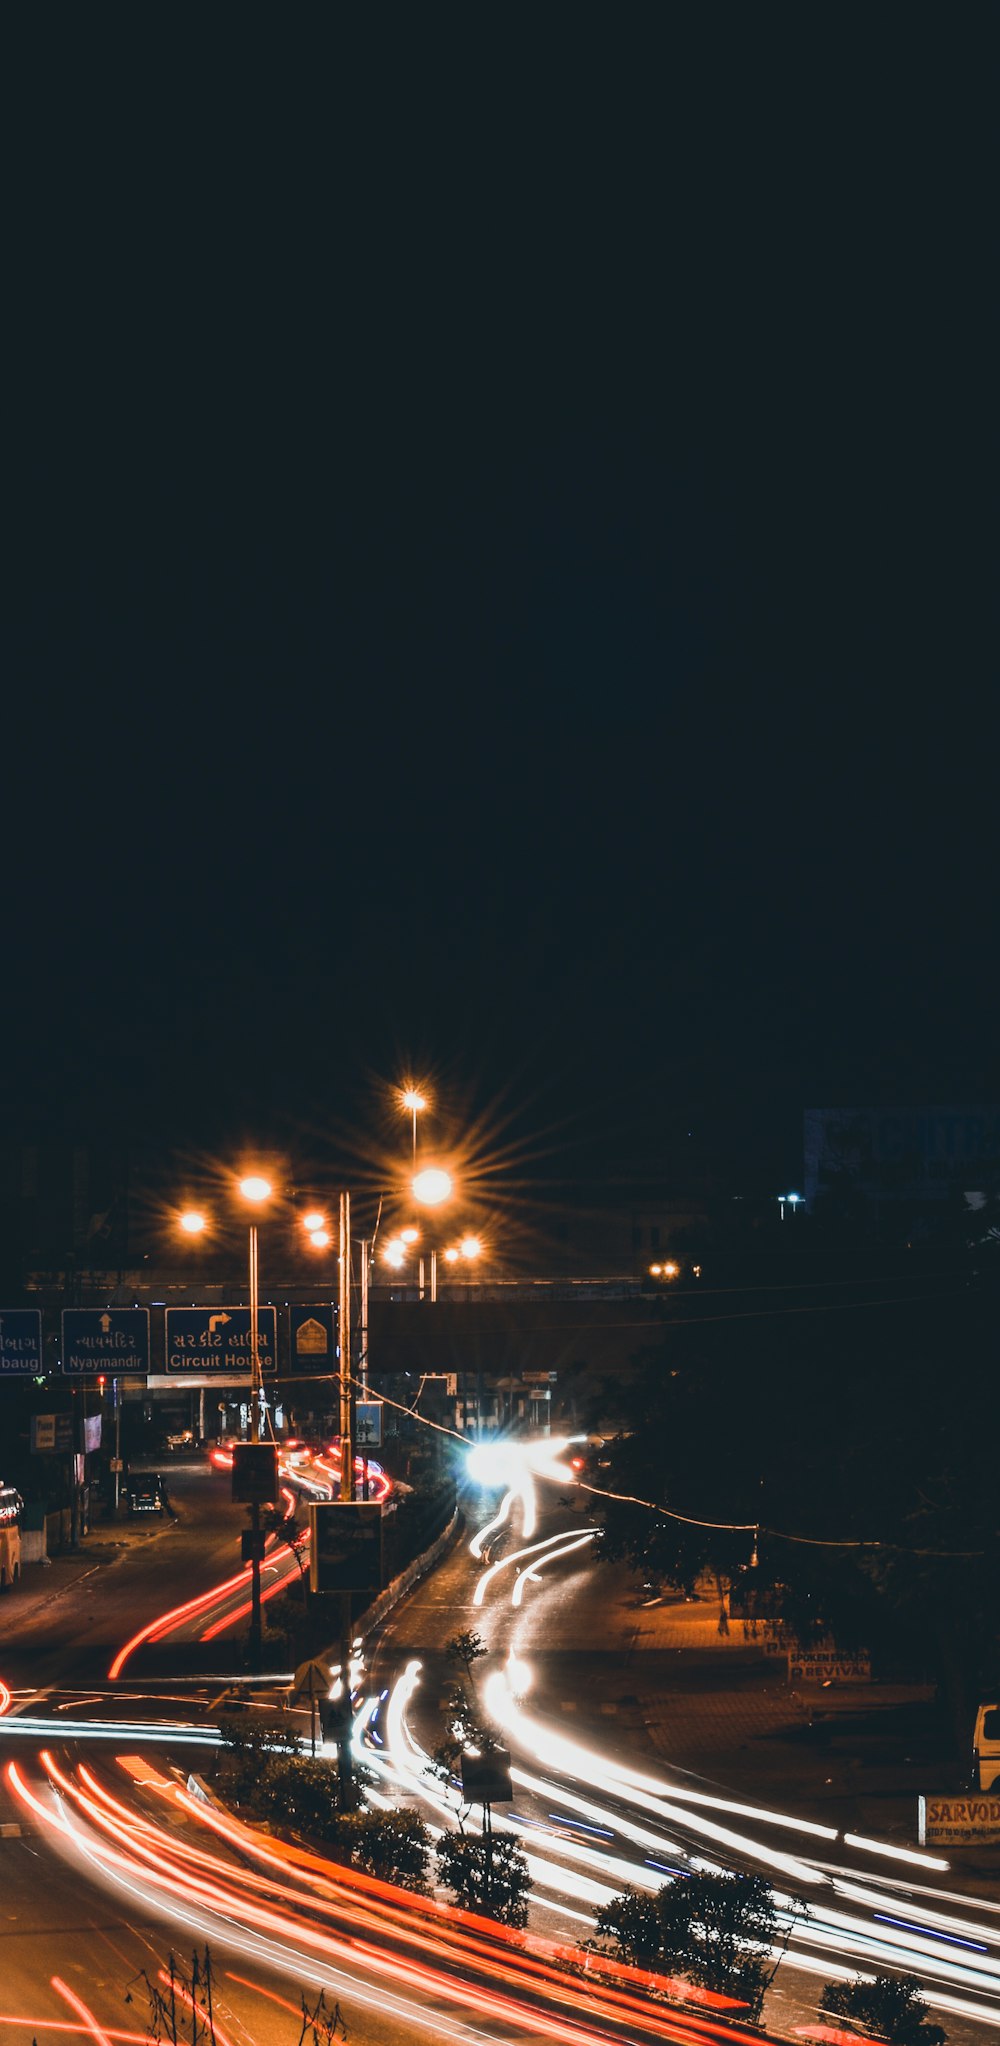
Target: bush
<point>249,1742</point>
<point>717,1931</point>
<point>891,2007</point>
<point>264,1770</point>
<point>486,1873</point>
<point>392,1845</point>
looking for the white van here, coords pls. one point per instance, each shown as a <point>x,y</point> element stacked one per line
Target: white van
<point>986,1747</point>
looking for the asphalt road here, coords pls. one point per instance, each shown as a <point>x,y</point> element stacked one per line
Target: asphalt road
<point>94,1932</point>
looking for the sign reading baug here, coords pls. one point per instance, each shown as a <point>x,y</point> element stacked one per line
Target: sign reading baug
<point>217,1340</point>
<point>21,1341</point>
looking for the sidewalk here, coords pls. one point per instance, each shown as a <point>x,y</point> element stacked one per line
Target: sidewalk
<point>719,1707</point>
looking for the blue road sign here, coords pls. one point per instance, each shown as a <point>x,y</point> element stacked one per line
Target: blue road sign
<point>217,1339</point>
<point>112,1340</point>
<point>367,1426</point>
<point>21,1340</point>
<point>312,1340</point>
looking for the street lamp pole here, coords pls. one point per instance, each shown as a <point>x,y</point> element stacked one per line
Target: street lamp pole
<point>255,1643</point>
<point>345,1729</point>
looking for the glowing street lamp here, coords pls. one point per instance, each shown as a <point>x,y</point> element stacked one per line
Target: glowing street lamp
<point>431,1186</point>
<point>192,1222</point>
<point>413,1103</point>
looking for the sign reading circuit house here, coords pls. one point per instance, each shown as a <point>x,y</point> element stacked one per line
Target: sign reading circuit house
<point>217,1339</point>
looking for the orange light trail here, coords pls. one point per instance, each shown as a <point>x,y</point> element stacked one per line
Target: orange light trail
<point>5,1698</point>
<point>171,1866</point>
<point>76,2003</point>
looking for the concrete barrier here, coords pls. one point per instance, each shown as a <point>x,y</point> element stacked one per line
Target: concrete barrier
<point>380,1608</point>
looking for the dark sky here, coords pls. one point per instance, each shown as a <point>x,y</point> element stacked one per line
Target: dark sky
<point>501,581</point>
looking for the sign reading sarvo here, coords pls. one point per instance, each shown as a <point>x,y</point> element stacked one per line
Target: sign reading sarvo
<point>109,1340</point>
<point>345,1546</point>
<point>21,1340</point>
<point>217,1339</point>
<point>947,1821</point>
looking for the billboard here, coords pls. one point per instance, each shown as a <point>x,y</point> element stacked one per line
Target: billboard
<point>346,1546</point>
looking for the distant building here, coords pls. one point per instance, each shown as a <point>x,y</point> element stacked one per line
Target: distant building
<point>903,1163</point>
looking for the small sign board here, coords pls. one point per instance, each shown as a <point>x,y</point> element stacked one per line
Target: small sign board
<point>252,1544</point>
<point>345,1546</point>
<point>312,1679</point>
<point>91,1433</point>
<point>21,1341</point>
<point>312,1342</point>
<point>950,1821</point>
<point>486,1778</point>
<point>106,1340</point>
<point>255,1473</point>
<point>217,1340</point>
<point>826,1666</point>
<point>51,1434</point>
<point>367,1426</point>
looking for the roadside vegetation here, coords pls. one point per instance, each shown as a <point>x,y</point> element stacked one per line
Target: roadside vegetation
<point>884,2007</point>
<point>262,1772</point>
<point>717,1932</point>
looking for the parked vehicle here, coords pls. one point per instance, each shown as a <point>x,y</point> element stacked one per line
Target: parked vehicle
<point>146,1493</point>
<point>11,1509</point>
<point>986,1747</point>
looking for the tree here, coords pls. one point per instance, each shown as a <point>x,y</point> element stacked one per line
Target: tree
<point>487,1873</point>
<point>717,1931</point>
<point>630,1925</point>
<point>888,2006</point>
<point>394,1846</point>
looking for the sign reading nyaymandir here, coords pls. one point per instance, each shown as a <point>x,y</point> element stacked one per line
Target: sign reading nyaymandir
<point>947,1821</point>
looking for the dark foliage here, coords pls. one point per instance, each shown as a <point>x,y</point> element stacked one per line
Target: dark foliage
<point>889,2008</point>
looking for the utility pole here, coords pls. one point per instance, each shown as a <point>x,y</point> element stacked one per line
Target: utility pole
<point>345,1759</point>
<point>254,1646</point>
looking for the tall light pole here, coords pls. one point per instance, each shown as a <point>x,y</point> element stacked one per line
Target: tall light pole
<point>256,1191</point>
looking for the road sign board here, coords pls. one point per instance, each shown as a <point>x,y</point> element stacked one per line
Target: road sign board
<point>217,1339</point>
<point>108,1340</point>
<point>312,1679</point>
<point>345,1546</point>
<point>255,1473</point>
<point>51,1434</point>
<point>312,1341</point>
<point>21,1340</point>
<point>253,1541</point>
<point>486,1778</point>
<point>368,1426</point>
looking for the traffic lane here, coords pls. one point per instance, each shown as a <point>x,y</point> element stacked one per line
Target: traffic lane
<point>408,1986</point>
<point>52,1631</point>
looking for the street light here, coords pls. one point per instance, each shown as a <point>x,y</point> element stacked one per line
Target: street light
<point>431,1186</point>
<point>413,1103</point>
<point>256,1191</point>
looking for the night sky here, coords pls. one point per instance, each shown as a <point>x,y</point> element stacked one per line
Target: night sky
<point>502,580</point>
